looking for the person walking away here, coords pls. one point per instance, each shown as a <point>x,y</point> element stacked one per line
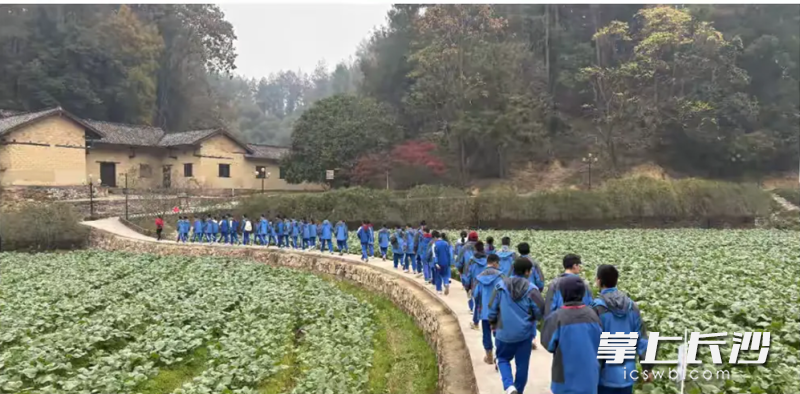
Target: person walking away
<point>460,244</point>
<point>234,231</point>
<point>159,227</point>
<point>224,228</point>
<point>262,230</point>
<point>312,234</point>
<point>419,233</point>
<point>422,254</point>
<point>217,233</point>
<point>341,237</point>
<point>464,255</point>
<point>383,241</point>
<point>537,275</point>
<point>179,226</point>
<point>618,313</point>
<point>442,258</point>
<point>507,257</point>
<point>247,229</point>
<point>475,267</point>
<point>273,232</point>
<point>410,250</point>
<point>198,230</point>
<point>481,292</point>
<point>572,333</point>
<point>489,245</point>
<point>514,307</point>
<point>554,300</point>
<point>296,232</point>
<point>398,247</point>
<point>305,232</point>
<point>279,225</point>
<point>371,240</point>
<point>325,236</point>
<point>363,237</point>
<point>209,227</point>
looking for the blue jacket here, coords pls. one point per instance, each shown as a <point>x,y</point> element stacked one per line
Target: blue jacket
<point>537,275</point>
<point>410,233</point>
<point>341,231</point>
<point>224,226</point>
<point>262,226</point>
<point>482,291</point>
<point>327,231</point>
<point>423,247</point>
<point>272,230</point>
<point>215,226</point>
<point>363,234</point>
<point>442,253</point>
<point>371,233</point>
<point>312,230</point>
<point>294,227</point>
<point>463,256</point>
<point>280,226</point>
<point>618,313</point>
<point>305,229</point>
<point>209,227</point>
<point>474,267</point>
<point>399,243</point>
<point>572,334</point>
<point>514,307</point>
<point>507,257</point>
<point>383,237</point>
<point>234,226</point>
<point>555,299</point>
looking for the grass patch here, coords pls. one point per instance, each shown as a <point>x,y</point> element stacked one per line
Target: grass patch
<point>174,376</point>
<point>403,362</point>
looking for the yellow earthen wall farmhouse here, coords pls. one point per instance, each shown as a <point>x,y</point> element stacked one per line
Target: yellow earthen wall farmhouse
<point>61,163</point>
<point>127,160</point>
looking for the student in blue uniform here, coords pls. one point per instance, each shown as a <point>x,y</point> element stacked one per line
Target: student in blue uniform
<point>463,256</point>
<point>341,237</point>
<point>305,233</point>
<point>572,333</point>
<point>371,251</point>
<point>209,229</point>
<point>474,267</point>
<point>398,243</point>
<point>537,275</point>
<point>482,292</point>
<point>224,227</point>
<point>363,237</point>
<point>312,234</point>
<point>262,231</point>
<point>325,236</point>
<point>442,256</point>
<point>279,229</point>
<point>514,307</point>
<point>234,231</point>
<point>618,313</point>
<point>507,256</point>
<point>489,245</point>
<point>273,232</point>
<point>423,262</point>
<point>410,250</point>
<point>383,241</point>
<point>296,230</point>
<point>554,300</point>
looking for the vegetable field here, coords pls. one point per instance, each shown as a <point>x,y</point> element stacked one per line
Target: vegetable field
<point>91,322</point>
<point>697,280</point>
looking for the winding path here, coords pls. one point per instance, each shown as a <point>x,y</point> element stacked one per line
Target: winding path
<point>487,378</point>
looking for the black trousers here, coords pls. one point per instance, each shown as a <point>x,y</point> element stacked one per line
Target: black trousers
<point>158,234</point>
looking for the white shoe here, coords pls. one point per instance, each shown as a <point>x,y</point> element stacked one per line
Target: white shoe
<point>512,390</point>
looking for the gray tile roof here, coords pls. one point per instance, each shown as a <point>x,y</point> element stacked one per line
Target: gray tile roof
<point>6,113</point>
<point>125,134</point>
<point>11,123</point>
<point>270,152</point>
<point>185,137</point>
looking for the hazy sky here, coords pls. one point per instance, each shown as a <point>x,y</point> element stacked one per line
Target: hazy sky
<point>274,37</point>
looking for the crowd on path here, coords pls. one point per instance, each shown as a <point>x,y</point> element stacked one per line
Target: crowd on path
<point>505,290</point>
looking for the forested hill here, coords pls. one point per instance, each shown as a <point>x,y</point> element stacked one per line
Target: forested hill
<point>447,92</point>
<point>167,65</point>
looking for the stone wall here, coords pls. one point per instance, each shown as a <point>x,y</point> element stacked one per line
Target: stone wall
<point>437,321</point>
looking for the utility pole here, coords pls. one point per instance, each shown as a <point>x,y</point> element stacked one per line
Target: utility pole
<point>126,196</point>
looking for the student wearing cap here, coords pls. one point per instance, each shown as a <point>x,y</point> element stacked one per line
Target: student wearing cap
<point>572,333</point>
<point>572,267</point>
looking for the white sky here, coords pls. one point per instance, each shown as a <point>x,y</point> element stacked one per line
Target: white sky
<point>274,37</point>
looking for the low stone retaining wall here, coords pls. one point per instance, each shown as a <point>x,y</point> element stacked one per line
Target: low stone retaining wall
<point>437,321</point>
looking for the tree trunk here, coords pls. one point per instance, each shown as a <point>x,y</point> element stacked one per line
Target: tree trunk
<point>547,46</point>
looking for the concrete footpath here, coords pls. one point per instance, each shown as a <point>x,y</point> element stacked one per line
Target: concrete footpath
<point>487,377</point>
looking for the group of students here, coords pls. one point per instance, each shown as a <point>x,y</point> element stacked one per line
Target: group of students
<point>505,297</point>
<point>282,232</point>
<point>416,250</point>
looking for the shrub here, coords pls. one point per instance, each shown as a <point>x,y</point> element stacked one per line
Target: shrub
<point>624,199</point>
<point>41,226</point>
<point>790,194</point>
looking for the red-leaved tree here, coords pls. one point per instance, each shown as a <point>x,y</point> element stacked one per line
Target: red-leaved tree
<point>408,164</point>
